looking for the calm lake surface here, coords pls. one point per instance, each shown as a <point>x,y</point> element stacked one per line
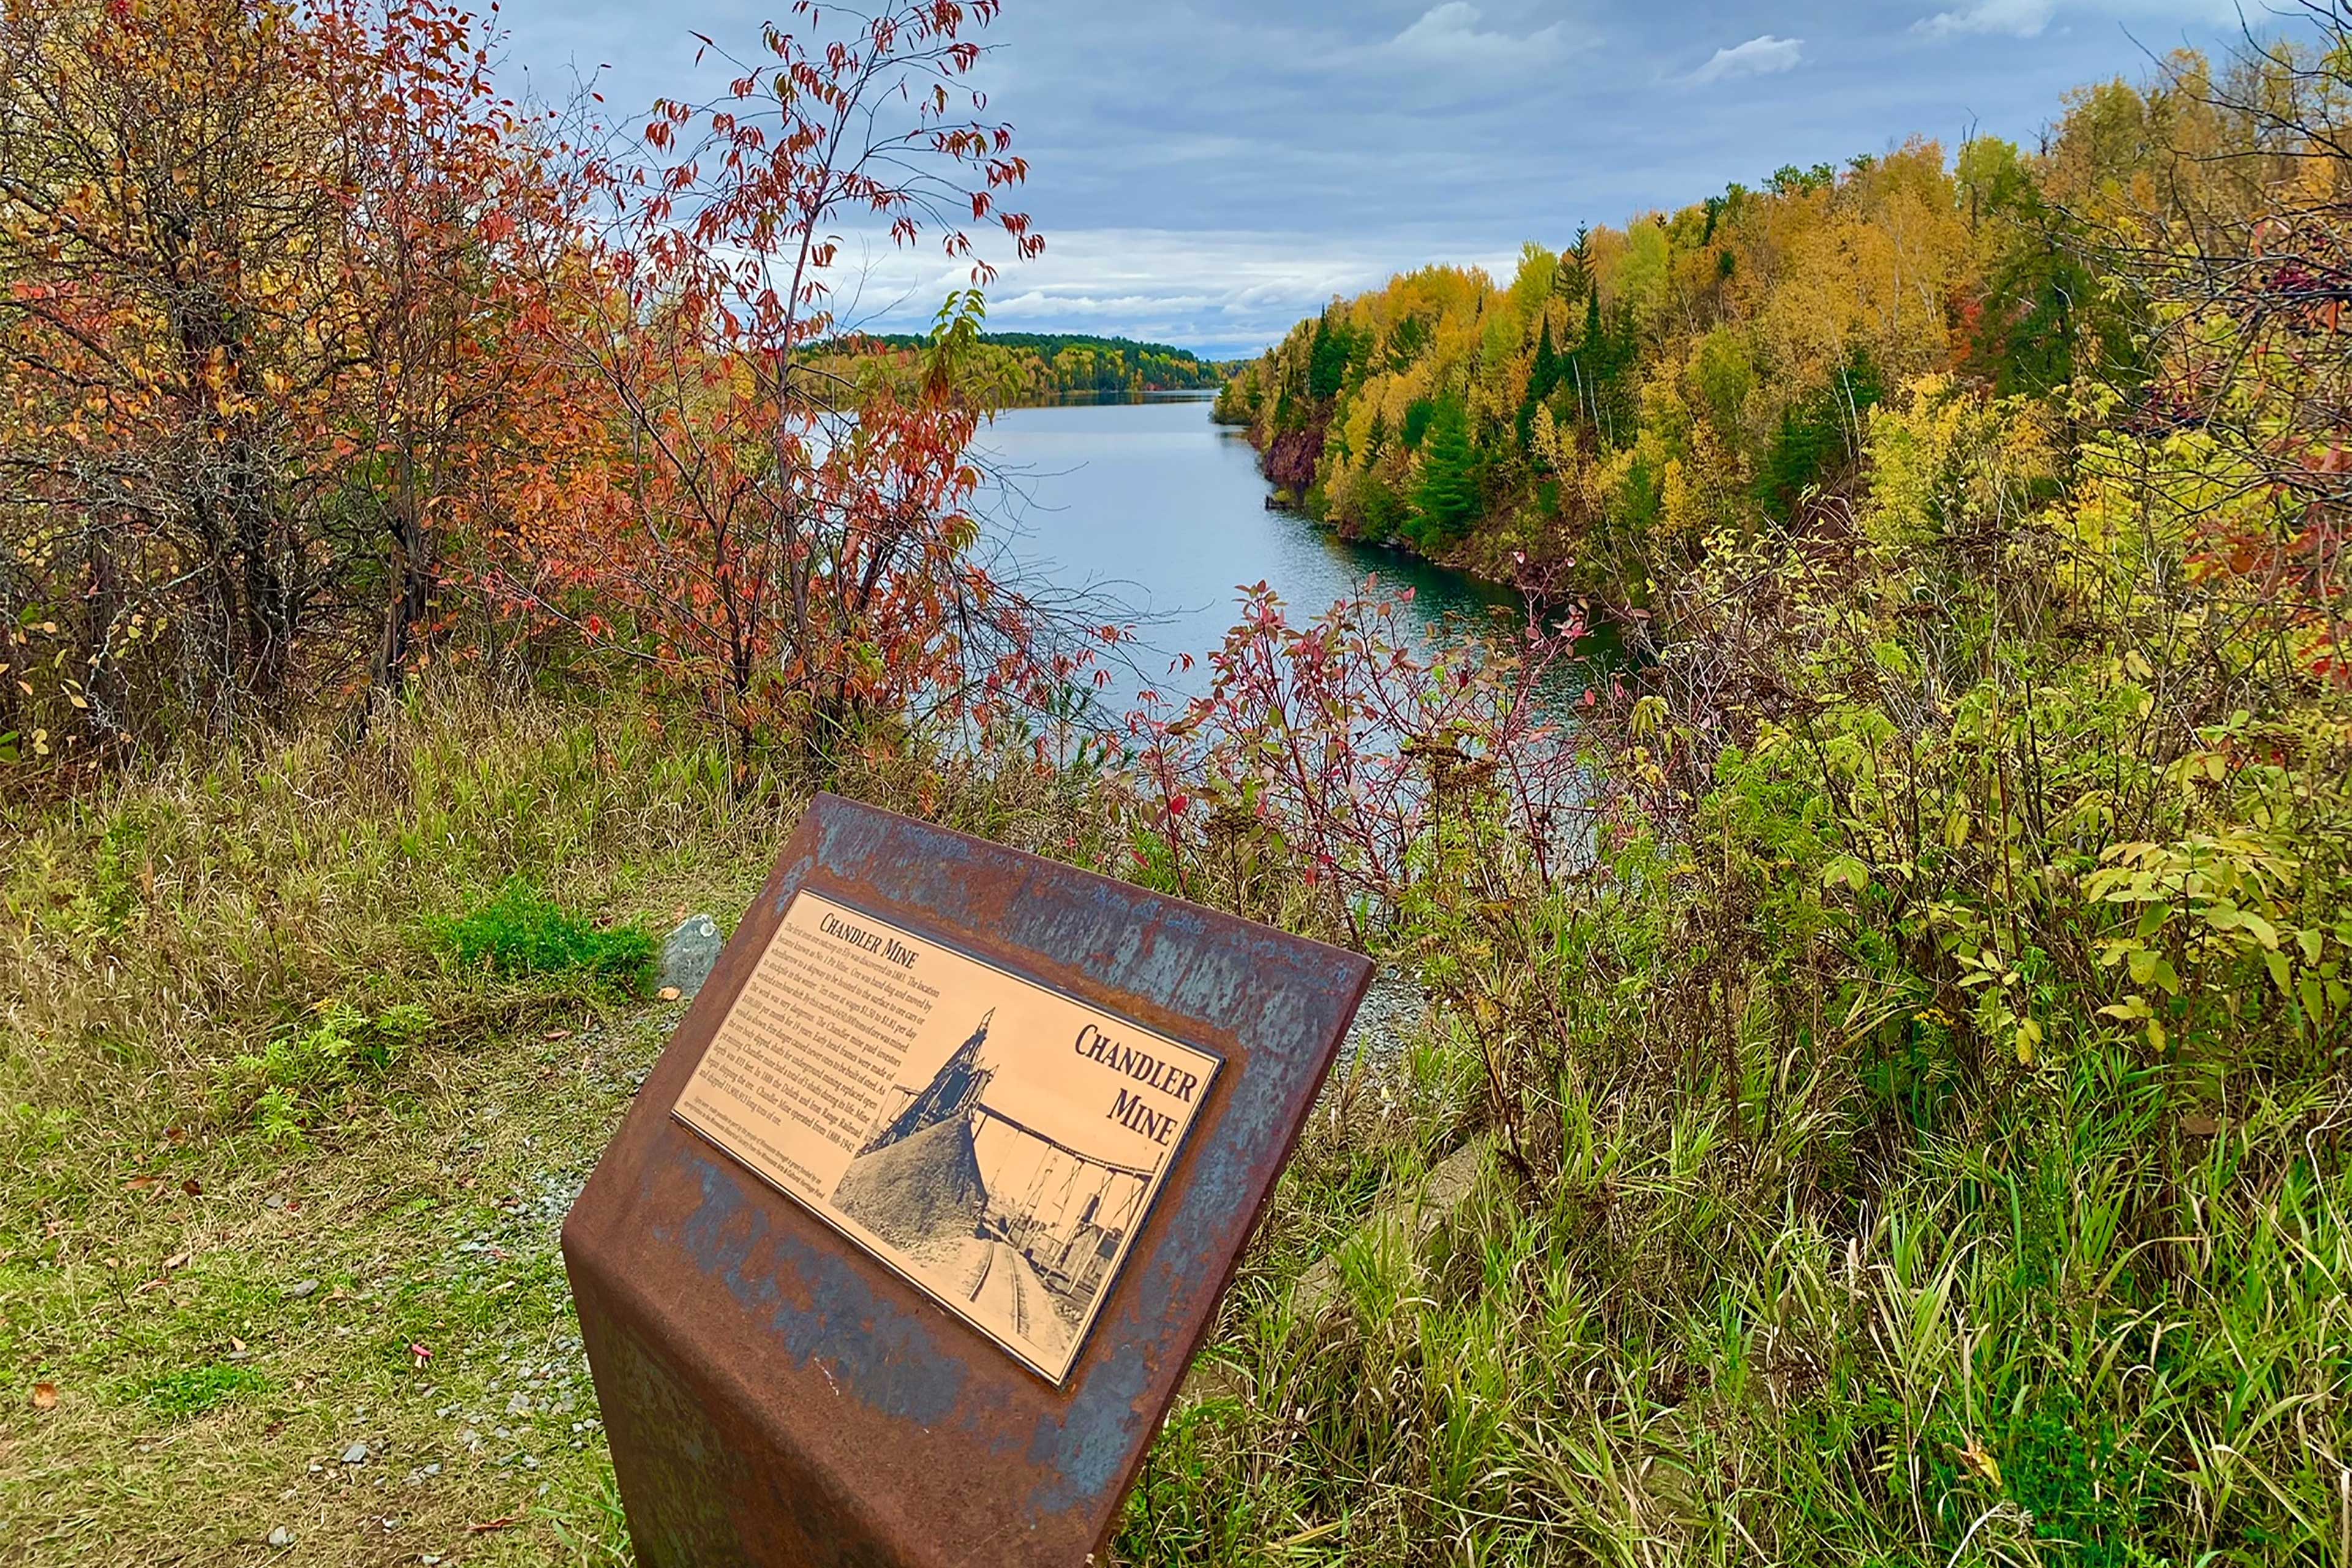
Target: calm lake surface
<point>1154,506</point>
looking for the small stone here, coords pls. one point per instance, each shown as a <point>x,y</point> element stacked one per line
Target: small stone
<point>281,1537</point>
<point>356,1454</point>
<point>688,955</point>
<point>273,1202</point>
<point>519,1405</point>
<point>301,1287</point>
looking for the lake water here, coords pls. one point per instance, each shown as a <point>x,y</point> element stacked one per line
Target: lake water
<point>1154,506</point>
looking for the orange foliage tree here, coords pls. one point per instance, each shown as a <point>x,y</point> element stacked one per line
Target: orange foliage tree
<point>800,558</point>
<point>256,289</point>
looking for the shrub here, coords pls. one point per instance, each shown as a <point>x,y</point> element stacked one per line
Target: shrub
<point>302,1072</point>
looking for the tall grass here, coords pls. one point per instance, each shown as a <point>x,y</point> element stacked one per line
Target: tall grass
<point>1696,1343</point>
<point>189,938</point>
<point>157,931</point>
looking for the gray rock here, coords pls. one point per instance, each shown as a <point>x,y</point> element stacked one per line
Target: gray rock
<point>299,1289</point>
<point>1449,1188</point>
<point>281,1537</point>
<point>356,1454</point>
<point>519,1405</point>
<point>689,953</point>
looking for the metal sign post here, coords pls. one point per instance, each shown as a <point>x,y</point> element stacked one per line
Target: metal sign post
<point>851,1296</point>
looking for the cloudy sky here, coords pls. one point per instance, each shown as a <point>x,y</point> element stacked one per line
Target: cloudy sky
<point>1206,172</point>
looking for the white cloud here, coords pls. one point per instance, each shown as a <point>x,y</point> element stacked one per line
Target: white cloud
<point>1761,55</point>
<point>1219,291</point>
<point>1449,34</point>
<point>2015,18</point>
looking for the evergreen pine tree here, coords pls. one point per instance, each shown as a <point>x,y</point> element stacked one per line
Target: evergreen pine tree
<point>1327,365</point>
<point>1446,499</point>
<point>1575,276</point>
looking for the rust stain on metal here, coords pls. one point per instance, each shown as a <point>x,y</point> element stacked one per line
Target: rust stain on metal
<point>774,1396</point>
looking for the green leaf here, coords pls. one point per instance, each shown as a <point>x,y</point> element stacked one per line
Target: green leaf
<point>1847,870</point>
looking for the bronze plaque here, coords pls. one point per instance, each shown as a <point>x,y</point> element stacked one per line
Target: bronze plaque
<point>917,1224</point>
<point>994,1142</point>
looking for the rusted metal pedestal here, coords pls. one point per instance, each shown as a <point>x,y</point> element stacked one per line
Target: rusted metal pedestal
<point>775,1396</point>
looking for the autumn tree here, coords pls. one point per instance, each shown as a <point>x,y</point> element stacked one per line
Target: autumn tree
<point>2233,444</point>
<point>173,323</point>
<point>250,288</point>
<point>799,554</point>
<point>450,387</point>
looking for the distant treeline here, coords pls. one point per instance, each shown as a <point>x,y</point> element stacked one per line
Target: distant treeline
<point>1732,367</point>
<point>1022,367</point>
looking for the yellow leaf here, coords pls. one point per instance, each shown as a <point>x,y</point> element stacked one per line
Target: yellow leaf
<point>1977,1458</point>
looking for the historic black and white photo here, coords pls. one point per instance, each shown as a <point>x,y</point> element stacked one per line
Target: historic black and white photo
<point>994,1142</point>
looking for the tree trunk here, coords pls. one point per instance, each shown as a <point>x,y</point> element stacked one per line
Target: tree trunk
<point>414,578</point>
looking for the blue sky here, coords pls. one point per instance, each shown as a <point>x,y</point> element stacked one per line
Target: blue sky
<point>1206,172</point>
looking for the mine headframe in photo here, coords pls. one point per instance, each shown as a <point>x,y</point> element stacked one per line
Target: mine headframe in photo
<point>1063,1209</point>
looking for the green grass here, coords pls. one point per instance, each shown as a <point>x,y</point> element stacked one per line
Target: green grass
<point>298,1077</point>
<point>194,1390</point>
<point>432,1223</point>
<point>1668,1358</point>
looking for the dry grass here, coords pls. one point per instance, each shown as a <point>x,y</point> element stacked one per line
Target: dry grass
<point>177,947</point>
<point>188,944</point>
